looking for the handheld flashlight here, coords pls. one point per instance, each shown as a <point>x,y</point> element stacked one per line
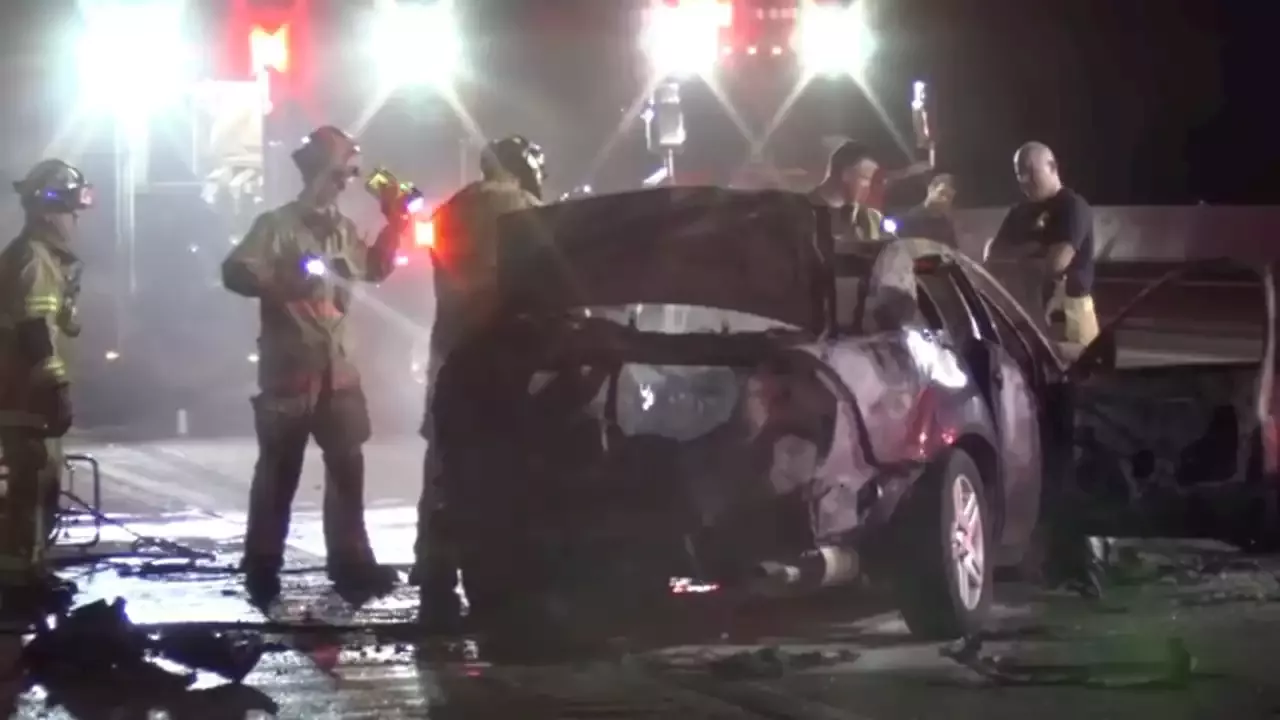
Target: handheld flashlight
<point>408,196</point>
<point>315,267</point>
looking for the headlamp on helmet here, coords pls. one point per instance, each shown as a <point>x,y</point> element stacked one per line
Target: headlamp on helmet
<point>55,186</point>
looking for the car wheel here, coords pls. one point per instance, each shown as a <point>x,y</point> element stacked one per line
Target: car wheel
<point>943,576</point>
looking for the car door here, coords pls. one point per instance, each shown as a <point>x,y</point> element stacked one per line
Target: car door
<point>1171,402</point>
<point>1014,395</point>
<point>1010,396</point>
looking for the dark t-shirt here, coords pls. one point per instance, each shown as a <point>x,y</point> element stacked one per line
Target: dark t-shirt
<point>845,225</point>
<point>1065,217</point>
<point>924,222</point>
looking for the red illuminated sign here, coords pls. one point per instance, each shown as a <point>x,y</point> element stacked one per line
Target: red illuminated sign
<point>269,50</point>
<point>272,38</point>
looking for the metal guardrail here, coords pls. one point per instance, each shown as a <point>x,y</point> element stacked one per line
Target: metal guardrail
<point>93,505</point>
<point>92,508</point>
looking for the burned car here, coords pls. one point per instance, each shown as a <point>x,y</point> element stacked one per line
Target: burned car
<point>697,384</point>
<point>1163,426</point>
<point>848,434</point>
<point>1174,406</point>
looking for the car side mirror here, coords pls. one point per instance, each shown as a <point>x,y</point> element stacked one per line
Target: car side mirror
<point>1101,355</point>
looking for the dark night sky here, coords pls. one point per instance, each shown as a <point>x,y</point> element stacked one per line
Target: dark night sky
<point>1146,101</point>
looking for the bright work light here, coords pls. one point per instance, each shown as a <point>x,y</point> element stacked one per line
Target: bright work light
<point>132,58</point>
<point>834,39</point>
<point>416,44</point>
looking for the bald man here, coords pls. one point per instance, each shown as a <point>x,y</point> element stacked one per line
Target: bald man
<point>1052,228</point>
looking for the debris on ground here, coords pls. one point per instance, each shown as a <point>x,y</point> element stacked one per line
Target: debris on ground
<point>1174,671</point>
<point>773,662</point>
<point>96,652</point>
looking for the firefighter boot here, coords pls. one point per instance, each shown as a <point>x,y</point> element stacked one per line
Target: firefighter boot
<point>41,594</point>
<point>439,604</point>
<point>261,582</point>
<point>361,581</point>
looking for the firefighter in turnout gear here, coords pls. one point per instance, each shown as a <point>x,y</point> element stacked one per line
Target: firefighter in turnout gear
<point>513,170</point>
<point>39,285</point>
<point>300,262</point>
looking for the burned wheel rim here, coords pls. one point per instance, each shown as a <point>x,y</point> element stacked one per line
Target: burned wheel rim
<point>968,542</point>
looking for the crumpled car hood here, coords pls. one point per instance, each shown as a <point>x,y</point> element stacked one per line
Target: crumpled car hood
<point>751,252</point>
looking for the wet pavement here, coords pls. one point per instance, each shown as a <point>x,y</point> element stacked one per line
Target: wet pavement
<point>1049,655</point>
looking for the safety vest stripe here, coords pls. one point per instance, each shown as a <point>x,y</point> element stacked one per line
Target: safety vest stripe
<point>55,367</point>
<point>40,304</point>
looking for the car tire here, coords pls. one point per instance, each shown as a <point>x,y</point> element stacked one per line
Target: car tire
<point>942,574</point>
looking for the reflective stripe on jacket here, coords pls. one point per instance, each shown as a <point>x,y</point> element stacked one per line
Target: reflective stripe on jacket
<point>39,281</point>
<point>303,341</point>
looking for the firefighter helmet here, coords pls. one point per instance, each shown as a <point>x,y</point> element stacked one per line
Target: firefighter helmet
<point>327,150</point>
<point>517,156</point>
<point>54,186</point>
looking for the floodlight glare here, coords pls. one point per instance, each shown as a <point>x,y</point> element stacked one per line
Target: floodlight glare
<point>834,40</point>
<point>132,58</point>
<point>417,44</point>
<point>683,40</point>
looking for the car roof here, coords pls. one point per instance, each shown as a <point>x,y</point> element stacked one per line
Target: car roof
<point>923,250</point>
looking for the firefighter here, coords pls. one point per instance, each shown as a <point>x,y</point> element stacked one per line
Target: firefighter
<point>851,170</point>
<point>513,170</point>
<point>39,285</point>
<point>300,262</point>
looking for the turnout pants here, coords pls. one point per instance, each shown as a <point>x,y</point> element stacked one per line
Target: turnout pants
<point>34,481</point>
<point>339,422</point>
<point>435,567</point>
<point>431,557</point>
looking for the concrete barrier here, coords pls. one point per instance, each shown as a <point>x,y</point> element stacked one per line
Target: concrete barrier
<point>1151,233</point>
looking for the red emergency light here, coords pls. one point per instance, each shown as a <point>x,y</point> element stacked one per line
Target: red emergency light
<point>424,238</point>
<point>424,234</point>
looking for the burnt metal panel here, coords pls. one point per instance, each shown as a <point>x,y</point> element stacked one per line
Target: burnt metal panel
<point>753,252</point>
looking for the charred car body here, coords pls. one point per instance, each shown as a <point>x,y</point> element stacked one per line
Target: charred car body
<point>818,414</point>
<point>850,433</point>
<point>1175,406</point>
